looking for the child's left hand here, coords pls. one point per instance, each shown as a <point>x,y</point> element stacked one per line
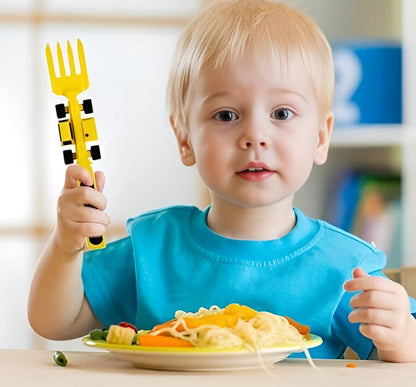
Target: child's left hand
<point>383,309</point>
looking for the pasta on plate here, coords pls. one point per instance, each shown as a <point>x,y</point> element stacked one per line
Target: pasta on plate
<point>233,337</point>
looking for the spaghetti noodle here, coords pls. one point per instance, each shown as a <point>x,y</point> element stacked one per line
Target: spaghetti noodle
<point>233,326</point>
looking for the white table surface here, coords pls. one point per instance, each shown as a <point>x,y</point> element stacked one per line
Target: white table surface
<point>37,368</point>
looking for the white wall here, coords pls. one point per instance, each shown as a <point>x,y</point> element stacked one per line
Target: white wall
<point>128,46</point>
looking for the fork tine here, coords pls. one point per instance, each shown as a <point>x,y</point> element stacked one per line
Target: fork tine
<point>49,60</point>
<point>82,64</point>
<point>52,75</point>
<point>60,60</point>
<point>72,70</point>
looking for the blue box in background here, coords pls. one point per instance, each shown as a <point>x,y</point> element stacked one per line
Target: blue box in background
<point>368,86</point>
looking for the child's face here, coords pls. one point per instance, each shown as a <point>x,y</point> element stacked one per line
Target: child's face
<point>254,132</point>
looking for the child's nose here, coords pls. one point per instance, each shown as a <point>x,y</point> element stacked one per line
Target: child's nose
<point>253,139</point>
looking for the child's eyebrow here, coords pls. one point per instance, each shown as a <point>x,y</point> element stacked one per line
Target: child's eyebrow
<point>273,91</point>
<point>208,97</point>
<point>288,92</point>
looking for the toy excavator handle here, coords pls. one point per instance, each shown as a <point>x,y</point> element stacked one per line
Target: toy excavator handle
<point>97,242</point>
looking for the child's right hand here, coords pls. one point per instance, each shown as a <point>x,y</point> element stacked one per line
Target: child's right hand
<point>80,210</point>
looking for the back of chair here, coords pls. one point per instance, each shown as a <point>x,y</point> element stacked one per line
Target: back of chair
<point>405,276</point>
<point>408,280</point>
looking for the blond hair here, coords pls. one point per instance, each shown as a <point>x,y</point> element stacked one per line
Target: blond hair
<point>226,30</point>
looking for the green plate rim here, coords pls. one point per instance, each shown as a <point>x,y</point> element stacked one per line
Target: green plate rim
<point>313,341</point>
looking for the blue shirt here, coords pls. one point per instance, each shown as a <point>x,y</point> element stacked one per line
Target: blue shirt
<point>171,260</point>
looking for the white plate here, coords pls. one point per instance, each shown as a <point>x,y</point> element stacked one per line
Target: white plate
<point>200,359</point>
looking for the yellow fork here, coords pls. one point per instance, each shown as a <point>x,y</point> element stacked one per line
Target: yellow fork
<point>75,130</point>
<point>68,85</point>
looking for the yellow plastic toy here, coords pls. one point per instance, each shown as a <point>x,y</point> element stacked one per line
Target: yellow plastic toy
<point>74,130</point>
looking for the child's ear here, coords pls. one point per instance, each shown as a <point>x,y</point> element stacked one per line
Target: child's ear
<point>324,137</point>
<point>184,144</point>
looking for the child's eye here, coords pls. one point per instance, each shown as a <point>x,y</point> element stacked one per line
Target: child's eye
<point>282,114</point>
<point>226,116</point>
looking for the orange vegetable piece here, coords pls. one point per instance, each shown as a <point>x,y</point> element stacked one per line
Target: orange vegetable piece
<point>351,365</point>
<point>242,311</point>
<point>228,318</point>
<point>164,325</point>
<point>168,324</point>
<point>221,320</point>
<point>163,341</point>
<point>302,329</point>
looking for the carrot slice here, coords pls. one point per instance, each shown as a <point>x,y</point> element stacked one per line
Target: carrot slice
<point>163,341</point>
<point>221,320</point>
<point>168,324</point>
<point>302,329</point>
<point>351,365</point>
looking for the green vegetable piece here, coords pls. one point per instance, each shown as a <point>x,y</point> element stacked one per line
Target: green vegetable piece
<point>135,338</point>
<point>98,334</point>
<point>60,358</point>
<point>138,334</point>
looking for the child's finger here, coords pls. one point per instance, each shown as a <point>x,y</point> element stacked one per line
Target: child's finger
<point>358,272</point>
<point>374,299</point>
<point>75,173</point>
<point>362,281</point>
<point>100,180</point>
<point>354,284</point>
<point>368,283</point>
<point>373,332</point>
<point>372,316</point>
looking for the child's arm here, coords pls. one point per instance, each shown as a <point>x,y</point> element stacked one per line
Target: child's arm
<point>383,309</point>
<point>57,307</point>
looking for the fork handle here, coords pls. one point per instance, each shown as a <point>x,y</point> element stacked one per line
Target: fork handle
<point>94,243</point>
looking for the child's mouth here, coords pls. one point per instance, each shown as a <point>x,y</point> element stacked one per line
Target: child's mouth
<point>255,174</point>
<point>254,169</point>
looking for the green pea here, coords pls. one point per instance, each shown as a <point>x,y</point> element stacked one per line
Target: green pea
<point>60,358</point>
